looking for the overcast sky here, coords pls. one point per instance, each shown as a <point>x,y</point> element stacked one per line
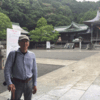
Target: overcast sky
<point>88,0</point>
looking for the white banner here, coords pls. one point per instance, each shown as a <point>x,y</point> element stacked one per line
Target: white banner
<point>48,44</point>
<point>12,40</point>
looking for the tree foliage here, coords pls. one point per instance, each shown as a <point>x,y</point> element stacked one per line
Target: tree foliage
<point>4,24</point>
<point>41,22</point>
<point>43,32</point>
<point>25,28</point>
<point>56,12</point>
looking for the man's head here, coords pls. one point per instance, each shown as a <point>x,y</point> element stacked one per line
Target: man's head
<point>23,42</point>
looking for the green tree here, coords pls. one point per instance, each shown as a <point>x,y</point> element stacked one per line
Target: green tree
<point>48,34</point>
<point>41,22</point>
<point>4,24</point>
<point>88,16</point>
<point>25,28</point>
<point>35,35</point>
<point>43,32</point>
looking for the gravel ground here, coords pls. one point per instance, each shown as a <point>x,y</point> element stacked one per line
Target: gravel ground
<point>64,55</point>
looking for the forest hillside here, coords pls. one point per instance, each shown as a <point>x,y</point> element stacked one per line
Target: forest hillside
<point>56,12</point>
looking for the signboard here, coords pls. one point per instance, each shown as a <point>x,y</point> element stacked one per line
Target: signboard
<point>48,44</point>
<point>12,40</point>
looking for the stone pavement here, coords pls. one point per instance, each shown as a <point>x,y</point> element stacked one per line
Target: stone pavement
<point>78,80</point>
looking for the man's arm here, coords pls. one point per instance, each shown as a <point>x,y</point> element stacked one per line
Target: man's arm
<point>7,72</point>
<point>7,69</point>
<point>34,76</point>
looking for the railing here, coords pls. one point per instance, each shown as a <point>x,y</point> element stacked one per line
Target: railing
<point>62,41</point>
<point>86,40</point>
<point>95,39</point>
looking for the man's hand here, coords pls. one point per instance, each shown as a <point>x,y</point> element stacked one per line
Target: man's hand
<point>34,89</point>
<point>11,87</point>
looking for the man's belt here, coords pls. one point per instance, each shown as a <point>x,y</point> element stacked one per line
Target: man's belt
<point>23,81</point>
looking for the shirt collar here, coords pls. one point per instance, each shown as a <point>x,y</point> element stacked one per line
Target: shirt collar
<point>21,52</point>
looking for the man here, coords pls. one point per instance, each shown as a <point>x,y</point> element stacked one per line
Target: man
<point>24,71</point>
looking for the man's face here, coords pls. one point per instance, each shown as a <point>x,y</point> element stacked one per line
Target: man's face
<point>24,44</point>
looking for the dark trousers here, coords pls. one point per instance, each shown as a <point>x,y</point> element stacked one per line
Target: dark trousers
<point>21,88</point>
